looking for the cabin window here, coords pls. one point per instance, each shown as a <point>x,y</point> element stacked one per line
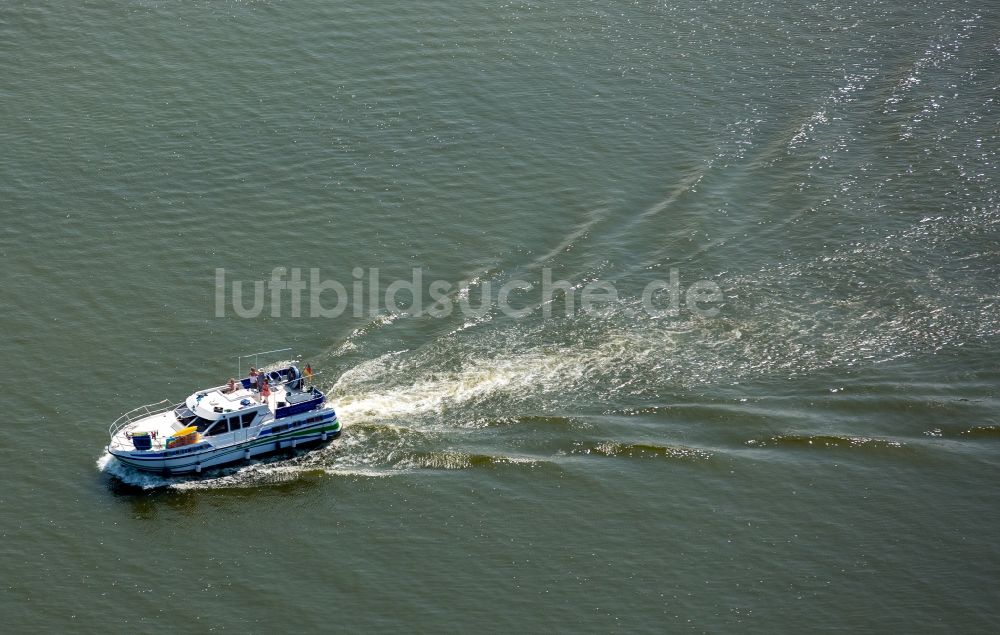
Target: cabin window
<point>247,419</point>
<point>201,423</point>
<point>221,426</point>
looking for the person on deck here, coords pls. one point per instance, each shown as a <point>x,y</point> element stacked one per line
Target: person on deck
<point>231,385</point>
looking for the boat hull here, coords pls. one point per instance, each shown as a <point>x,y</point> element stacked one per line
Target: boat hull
<point>198,458</point>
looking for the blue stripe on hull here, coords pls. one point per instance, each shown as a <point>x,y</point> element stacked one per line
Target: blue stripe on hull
<point>219,458</point>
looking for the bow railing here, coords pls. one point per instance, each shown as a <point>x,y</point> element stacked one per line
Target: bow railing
<point>139,413</point>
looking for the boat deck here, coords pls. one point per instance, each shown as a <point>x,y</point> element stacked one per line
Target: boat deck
<point>160,427</point>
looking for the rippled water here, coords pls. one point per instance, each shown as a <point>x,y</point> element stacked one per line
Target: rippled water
<point>820,455</point>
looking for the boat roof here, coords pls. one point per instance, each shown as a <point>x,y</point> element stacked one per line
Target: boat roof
<point>215,403</point>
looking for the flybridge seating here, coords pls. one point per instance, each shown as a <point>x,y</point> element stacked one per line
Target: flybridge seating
<point>285,394</point>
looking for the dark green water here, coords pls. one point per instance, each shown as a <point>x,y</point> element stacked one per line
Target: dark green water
<point>822,454</point>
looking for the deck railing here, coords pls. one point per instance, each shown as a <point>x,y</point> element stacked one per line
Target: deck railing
<point>139,413</point>
<point>256,358</point>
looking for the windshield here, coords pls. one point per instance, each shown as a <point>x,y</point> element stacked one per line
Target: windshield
<point>188,418</point>
<point>202,423</point>
<point>184,415</point>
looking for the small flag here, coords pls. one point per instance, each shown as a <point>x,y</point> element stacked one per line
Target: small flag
<point>309,370</point>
